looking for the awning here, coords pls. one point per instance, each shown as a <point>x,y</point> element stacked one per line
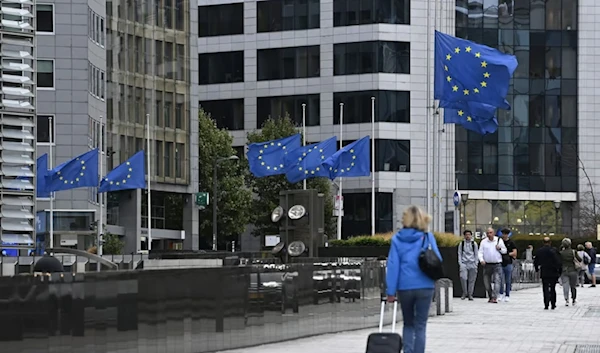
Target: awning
<point>16,241</point>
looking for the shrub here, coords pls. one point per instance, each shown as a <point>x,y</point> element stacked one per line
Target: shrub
<point>383,239</point>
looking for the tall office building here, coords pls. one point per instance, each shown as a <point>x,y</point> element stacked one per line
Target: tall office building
<point>530,175</point>
<point>261,59</point>
<point>17,120</point>
<point>109,63</point>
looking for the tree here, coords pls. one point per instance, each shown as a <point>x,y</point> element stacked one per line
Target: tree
<point>113,245</point>
<point>234,200</point>
<point>588,214</point>
<point>267,189</point>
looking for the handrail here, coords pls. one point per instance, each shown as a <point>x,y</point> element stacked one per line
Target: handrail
<point>86,254</point>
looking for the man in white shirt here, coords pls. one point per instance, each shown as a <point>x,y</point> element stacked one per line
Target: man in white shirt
<point>490,253</point>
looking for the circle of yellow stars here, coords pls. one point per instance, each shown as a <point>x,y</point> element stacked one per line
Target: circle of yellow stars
<point>486,75</point>
<point>66,181</point>
<point>124,180</point>
<point>347,169</point>
<point>262,151</point>
<point>318,168</point>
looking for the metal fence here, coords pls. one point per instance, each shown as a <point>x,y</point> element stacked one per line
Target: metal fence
<point>10,266</point>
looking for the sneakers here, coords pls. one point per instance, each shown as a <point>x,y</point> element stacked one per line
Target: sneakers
<point>470,297</point>
<point>593,286</point>
<point>567,302</point>
<point>507,299</point>
<point>463,297</point>
<point>574,302</point>
<point>501,297</point>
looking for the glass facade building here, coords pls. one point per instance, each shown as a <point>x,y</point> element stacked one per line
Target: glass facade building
<point>536,146</point>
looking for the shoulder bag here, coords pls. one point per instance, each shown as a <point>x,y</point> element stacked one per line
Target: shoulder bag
<point>429,262</point>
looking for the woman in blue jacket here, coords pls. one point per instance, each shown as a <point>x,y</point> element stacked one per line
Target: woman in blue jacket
<point>405,278</point>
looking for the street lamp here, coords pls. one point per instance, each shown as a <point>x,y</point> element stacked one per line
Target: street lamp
<point>556,207</point>
<point>215,190</point>
<point>464,197</point>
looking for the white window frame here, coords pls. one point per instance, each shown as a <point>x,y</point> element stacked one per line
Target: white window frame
<point>53,20</point>
<point>53,88</point>
<point>53,130</point>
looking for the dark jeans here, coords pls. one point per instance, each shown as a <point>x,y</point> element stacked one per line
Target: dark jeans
<point>549,290</point>
<point>506,285</point>
<point>415,312</point>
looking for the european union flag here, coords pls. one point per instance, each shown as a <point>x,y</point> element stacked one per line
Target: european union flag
<point>128,175</point>
<point>79,172</point>
<point>352,160</point>
<point>305,162</point>
<point>467,71</point>
<point>470,122</point>
<point>42,170</point>
<point>267,158</point>
<point>475,109</point>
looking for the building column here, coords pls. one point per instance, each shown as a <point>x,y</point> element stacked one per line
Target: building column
<point>130,218</point>
<point>191,224</point>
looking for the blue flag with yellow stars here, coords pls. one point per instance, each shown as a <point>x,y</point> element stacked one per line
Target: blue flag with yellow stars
<point>353,160</point>
<point>475,109</point>
<point>306,162</point>
<point>467,71</point>
<point>42,170</point>
<point>79,172</point>
<point>267,158</point>
<point>471,122</point>
<point>128,175</point>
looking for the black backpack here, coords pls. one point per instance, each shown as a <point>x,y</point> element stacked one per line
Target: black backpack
<point>462,243</point>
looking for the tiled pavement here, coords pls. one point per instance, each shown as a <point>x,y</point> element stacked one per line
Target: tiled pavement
<point>519,326</point>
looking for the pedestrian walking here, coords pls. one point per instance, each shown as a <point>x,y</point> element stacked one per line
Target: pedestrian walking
<point>548,263</point>
<point>468,263</point>
<point>583,270</point>
<point>571,263</point>
<point>590,250</point>
<point>490,253</point>
<point>406,279</point>
<point>507,265</point>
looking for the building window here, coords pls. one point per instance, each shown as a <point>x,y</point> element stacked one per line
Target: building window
<point>240,151</point>
<point>45,128</point>
<point>287,15</point>
<point>392,155</point>
<point>45,74</point>
<point>179,111</point>
<point>168,158</point>
<point>371,57</point>
<point>226,67</point>
<point>390,106</point>
<point>96,84</point>
<point>96,28</point>
<point>227,113</point>
<point>180,160</point>
<point>44,18</point>
<point>276,107</point>
<point>220,20</point>
<point>353,12</point>
<point>357,213</point>
<point>287,63</point>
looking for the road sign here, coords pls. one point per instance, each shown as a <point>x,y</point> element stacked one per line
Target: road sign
<point>202,199</point>
<point>456,198</point>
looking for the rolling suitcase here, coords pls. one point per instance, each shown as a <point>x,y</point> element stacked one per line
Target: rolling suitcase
<point>385,342</point>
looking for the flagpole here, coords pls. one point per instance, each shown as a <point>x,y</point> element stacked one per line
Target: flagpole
<point>51,166</point>
<point>101,169</point>
<point>304,135</point>
<point>340,203</point>
<point>372,165</point>
<point>427,125</point>
<point>149,213</point>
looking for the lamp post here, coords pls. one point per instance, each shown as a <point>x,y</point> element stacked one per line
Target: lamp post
<point>215,190</point>
<point>464,197</point>
<point>556,207</point>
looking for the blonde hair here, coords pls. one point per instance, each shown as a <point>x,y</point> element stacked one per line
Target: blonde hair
<point>415,217</point>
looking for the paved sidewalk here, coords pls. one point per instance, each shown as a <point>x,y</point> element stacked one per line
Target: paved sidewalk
<point>519,326</point>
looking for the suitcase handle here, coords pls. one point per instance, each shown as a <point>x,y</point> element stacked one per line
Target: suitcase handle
<point>382,314</point>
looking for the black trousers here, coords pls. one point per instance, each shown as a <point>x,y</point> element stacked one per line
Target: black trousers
<point>549,288</point>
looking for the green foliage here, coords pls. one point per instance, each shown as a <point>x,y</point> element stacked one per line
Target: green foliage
<point>113,245</point>
<point>233,199</point>
<point>267,189</point>
<point>443,240</point>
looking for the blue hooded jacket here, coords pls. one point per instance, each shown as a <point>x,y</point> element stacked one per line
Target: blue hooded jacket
<point>403,271</point>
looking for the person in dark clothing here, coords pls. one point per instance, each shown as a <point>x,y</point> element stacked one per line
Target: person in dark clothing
<point>548,262</point>
<point>590,250</point>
